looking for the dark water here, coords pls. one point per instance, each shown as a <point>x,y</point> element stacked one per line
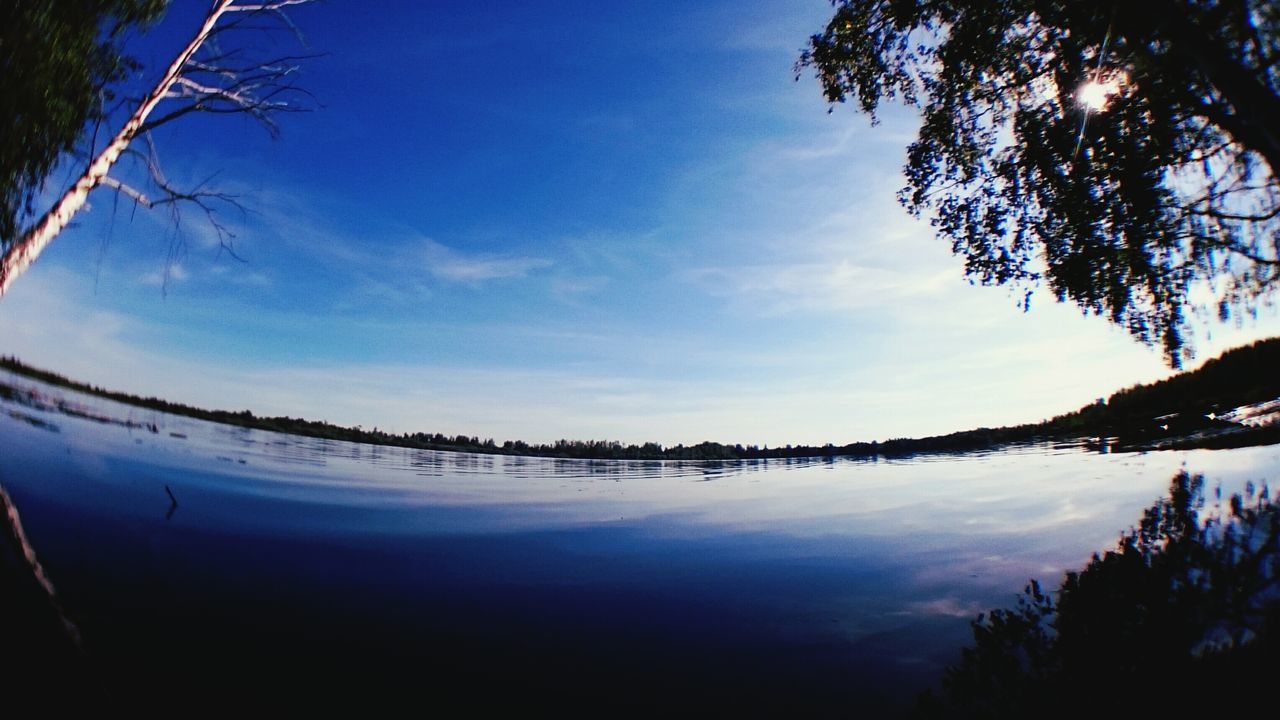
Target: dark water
<point>315,572</point>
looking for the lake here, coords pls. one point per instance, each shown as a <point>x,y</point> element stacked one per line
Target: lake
<point>330,571</point>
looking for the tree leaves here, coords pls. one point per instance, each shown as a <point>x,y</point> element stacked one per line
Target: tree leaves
<point>57,64</point>
<point>1125,209</point>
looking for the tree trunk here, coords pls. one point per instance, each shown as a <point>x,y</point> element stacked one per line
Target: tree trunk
<point>24,251</point>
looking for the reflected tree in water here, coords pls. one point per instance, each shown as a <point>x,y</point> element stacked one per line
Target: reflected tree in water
<point>1181,615</point>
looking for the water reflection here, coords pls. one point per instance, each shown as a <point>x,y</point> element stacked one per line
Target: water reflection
<point>1187,599</point>
<point>848,583</point>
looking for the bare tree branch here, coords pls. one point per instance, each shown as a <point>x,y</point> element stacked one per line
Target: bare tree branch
<point>276,5</point>
<point>124,189</point>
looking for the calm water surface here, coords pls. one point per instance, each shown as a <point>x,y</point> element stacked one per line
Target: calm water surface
<point>311,568</point>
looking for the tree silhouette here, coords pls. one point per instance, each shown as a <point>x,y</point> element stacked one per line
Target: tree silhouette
<point>1123,153</point>
<point>209,75</point>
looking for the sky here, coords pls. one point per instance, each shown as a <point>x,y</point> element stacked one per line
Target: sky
<point>625,221</point>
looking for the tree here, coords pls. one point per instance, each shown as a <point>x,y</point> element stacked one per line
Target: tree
<point>59,65</point>
<point>1123,153</point>
<point>81,41</point>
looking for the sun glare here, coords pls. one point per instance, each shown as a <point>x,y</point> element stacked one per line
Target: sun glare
<point>1095,94</point>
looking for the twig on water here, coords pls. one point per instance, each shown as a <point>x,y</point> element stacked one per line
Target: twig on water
<point>173,500</point>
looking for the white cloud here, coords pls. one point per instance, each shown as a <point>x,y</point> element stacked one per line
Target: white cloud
<point>825,288</point>
<point>171,273</point>
<point>573,289</point>
<point>240,276</point>
<point>395,269</point>
<point>445,263</point>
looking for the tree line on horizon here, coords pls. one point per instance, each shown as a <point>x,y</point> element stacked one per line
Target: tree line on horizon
<point>1131,418</point>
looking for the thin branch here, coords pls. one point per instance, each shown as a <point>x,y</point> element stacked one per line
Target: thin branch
<point>1236,248</point>
<point>270,6</point>
<point>124,189</point>
<point>1216,214</point>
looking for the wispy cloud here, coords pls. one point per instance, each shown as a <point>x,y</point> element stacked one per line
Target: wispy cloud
<point>172,273</point>
<point>572,289</point>
<point>821,287</point>
<point>240,276</point>
<point>448,264</point>
<point>403,252</point>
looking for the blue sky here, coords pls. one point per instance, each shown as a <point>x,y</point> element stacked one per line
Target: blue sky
<point>588,220</point>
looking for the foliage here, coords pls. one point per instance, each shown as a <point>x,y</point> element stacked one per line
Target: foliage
<point>58,62</point>
<point>1181,616</point>
<point>1121,153</point>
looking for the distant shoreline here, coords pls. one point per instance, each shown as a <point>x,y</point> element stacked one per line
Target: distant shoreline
<point>1182,412</point>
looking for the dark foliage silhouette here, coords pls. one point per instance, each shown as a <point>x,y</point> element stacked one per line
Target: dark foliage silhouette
<point>1121,153</point>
